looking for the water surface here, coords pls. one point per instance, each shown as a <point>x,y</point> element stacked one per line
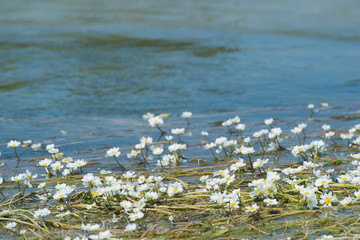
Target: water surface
<point>92,68</point>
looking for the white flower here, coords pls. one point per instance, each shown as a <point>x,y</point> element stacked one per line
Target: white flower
<point>148,116</point>
<point>177,131</point>
<point>57,166</point>
<point>152,195</point>
<point>36,146</point>
<point>257,134</point>
<point>329,134</point>
<point>186,114</point>
<point>220,140</point>
<point>63,214</point>
<point>276,131</point>
<point>158,151</point>
<point>130,227</point>
<point>346,201</point>
<point>296,130</point>
<point>227,123</point>
<point>105,235</point>
<point>67,160</point>
<point>327,199</point>
<point>236,166</point>
<point>204,133</point>
<point>26,143</point>
<point>302,125</point>
<point>89,227</point>
<point>311,106</point>
<point>90,206</point>
<point>174,188</point>
<point>312,202</point>
<point>169,138</point>
<point>247,150</point>
<point>252,208</point>
<point>270,201</point>
<point>324,237</point>
<point>146,140</point>
<point>80,162</point>
<point>346,136</point>
<point>129,174</point>
<point>60,194</point>
<point>323,181</point>
<point>45,162</point>
<point>11,225</point>
<point>49,146</point>
<point>259,163</point>
<point>103,171</point>
<point>210,145</point>
<point>29,175</point>
<point>113,152</point>
<point>324,105</point>
<point>269,121</point>
<point>155,121</point>
<point>13,143</point>
<point>18,178</point>
<point>325,127</point>
<point>136,215</point>
<point>229,179</point>
<point>41,212</point>
<point>235,119</point>
<point>53,150</point>
<point>356,156</point>
<point>308,192</point>
<point>240,127</point>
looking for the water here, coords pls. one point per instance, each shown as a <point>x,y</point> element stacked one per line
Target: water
<point>92,68</point>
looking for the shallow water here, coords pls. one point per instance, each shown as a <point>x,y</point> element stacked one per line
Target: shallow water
<point>92,68</point>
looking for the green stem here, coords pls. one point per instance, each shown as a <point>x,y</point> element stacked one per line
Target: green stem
<point>119,163</point>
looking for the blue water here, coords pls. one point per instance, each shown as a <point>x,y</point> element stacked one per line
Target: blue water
<point>92,68</point>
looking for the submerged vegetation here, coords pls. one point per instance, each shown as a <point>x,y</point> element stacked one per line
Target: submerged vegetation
<point>245,192</point>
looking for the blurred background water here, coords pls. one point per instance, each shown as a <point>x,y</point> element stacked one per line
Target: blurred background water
<point>92,68</point>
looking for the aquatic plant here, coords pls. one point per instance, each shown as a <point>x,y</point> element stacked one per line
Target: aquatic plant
<point>244,193</point>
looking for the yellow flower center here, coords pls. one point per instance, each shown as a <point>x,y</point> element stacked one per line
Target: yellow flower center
<point>328,200</point>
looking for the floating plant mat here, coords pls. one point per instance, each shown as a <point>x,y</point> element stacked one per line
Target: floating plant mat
<point>193,177</point>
